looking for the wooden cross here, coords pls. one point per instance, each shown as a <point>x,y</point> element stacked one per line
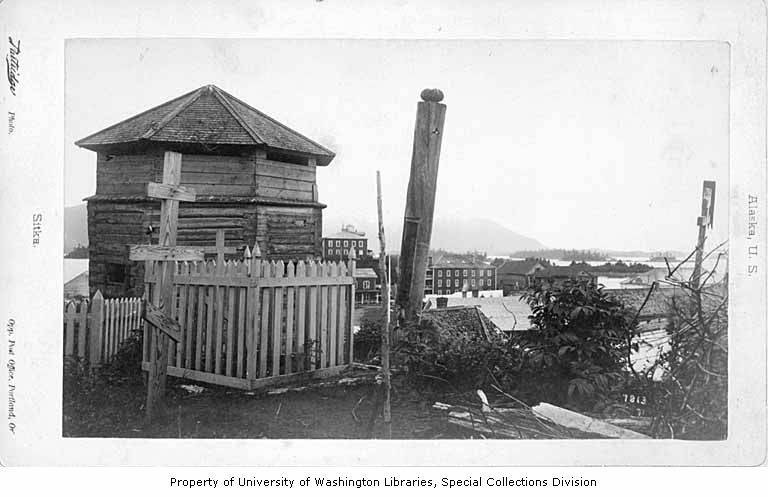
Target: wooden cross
<point>159,313</point>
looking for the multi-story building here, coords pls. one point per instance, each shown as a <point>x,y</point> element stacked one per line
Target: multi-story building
<point>518,275</point>
<point>338,245</point>
<point>446,277</point>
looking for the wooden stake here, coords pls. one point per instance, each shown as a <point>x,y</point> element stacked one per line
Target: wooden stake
<point>420,201</point>
<point>385,301</point>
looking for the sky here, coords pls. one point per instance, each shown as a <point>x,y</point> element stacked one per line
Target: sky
<point>578,144</point>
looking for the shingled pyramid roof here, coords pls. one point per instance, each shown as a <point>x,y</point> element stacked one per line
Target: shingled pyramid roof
<point>209,116</point>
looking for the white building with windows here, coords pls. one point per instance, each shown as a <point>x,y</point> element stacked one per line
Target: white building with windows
<point>338,245</point>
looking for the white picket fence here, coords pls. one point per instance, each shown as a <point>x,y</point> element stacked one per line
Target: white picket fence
<point>94,330</point>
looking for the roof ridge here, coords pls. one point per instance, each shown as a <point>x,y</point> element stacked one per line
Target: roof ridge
<point>217,92</point>
<point>81,140</point>
<point>274,121</point>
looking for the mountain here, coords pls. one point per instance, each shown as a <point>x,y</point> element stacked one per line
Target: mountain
<point>454,235</point>
<point>75,226</point>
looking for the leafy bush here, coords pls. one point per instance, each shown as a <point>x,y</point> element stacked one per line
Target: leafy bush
<point>692,398</point>
<point>579,344</point>
<point>443,359</point>
<point>367,342</point>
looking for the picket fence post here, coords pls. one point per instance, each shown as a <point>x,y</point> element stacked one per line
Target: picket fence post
<point>96,329</point>
<point>352,267</point>
<point>253,303</point>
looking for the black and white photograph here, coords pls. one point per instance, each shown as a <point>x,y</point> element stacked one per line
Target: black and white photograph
<point>323,243</point>
<point>285,252</point>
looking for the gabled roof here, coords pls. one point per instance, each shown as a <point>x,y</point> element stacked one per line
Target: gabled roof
<point>561,272</point>
<point>506,313</point>
<point>463,320</point>
<point>519,267</point>
<point>348,235</point>
<point>365,272</point>
<point>210,116</point>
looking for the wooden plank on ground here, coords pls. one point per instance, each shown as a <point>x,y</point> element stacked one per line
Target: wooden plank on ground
<point>296,378</point>
<point>202,376</point>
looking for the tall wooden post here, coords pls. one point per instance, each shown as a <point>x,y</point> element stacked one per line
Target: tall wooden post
<point>159,313</point>
<point>385,333</point>
<point>704,220</point>
<point>420,201</point>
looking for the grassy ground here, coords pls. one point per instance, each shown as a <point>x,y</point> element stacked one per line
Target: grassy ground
<point>337,411</point>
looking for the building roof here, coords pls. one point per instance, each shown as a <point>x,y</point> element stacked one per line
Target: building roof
<point>659,303</point>
<point>519,267</point>
<point>506,313</point>
<point>365,272</point>
<point>77,286</point>
<point>453,264</point>
<point>207,115</point>
<point>465,320</point>
<point>560,272</point>
<point>349,235</point>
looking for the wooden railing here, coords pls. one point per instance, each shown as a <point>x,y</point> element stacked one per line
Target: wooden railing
<point>94,330</point>
<point>251,323</point>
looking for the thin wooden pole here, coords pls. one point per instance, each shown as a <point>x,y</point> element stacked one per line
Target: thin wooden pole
<point>385,300</point>
<point>704,220</point>
<point>420,201</point>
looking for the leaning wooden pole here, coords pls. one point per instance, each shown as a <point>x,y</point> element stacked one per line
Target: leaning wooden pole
<point>385,333</point>
<point>704,220</point>
<point>420,202</point>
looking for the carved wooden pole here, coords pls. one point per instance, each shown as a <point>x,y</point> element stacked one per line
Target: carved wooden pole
<point>420,201</point>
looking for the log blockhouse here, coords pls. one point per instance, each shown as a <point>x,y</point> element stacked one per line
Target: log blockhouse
<point>254,177</point>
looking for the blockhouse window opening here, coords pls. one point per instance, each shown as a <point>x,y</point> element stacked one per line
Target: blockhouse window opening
<point>117,273</point>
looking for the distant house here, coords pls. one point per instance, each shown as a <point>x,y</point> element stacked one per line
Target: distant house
<point>77,287</point>
<point>446,277</point>
<point>367,289</point>
<point>555,275</point>
<point>517,275</point>
<point>338,245</point>
<point>661,276</point>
